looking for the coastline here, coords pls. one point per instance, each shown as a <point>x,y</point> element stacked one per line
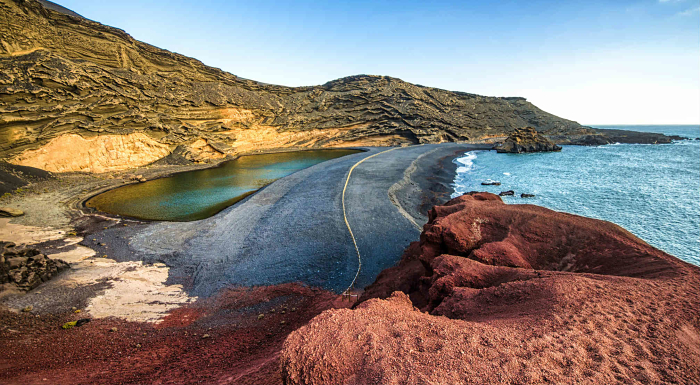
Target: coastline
<point>127,295</point>
<point>146,308</point>
<point>82,236</point>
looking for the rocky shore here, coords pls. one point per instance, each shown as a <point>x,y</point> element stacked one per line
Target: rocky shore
<point>526,140</point>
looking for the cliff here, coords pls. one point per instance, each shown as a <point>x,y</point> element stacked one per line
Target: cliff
<point>526,140</point>
<point>63,74</point>
<point>511,294</point>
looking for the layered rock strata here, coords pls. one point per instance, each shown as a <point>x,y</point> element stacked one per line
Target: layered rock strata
<point>64,75</point>
<point>512,294</point>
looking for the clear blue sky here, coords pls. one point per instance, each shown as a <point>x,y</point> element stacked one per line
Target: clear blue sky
<point>591,61</point>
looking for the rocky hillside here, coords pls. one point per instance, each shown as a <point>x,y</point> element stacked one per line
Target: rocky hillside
<point>62,74</point>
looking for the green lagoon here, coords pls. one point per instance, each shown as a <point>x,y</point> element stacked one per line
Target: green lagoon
<point>195,195</point>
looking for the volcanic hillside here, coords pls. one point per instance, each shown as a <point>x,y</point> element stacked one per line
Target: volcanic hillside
<point>67,82</point>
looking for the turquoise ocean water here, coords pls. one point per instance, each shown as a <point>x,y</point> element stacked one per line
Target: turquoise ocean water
<point>651,190</point>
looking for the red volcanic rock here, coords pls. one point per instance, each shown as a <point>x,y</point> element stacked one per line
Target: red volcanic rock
<point>512,294</point>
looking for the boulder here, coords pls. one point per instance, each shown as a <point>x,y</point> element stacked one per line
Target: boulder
<point>491,183</point>
<point>525,195</point>
<point>520,292</point>
<point>507,193</point>
<point>10,212</point>
<point>25,268</point>
<point>526,140</point>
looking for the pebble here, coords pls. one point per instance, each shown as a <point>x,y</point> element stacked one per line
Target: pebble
<point>206,336</point>
<point>261,316</point>
<point>28,308</point>
<point>113,330</point>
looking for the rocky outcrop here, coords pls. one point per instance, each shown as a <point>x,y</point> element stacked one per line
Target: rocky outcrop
<point>526,140</point>
<point>24,268</point>
<point>497,293</point>
<point>10,212</point>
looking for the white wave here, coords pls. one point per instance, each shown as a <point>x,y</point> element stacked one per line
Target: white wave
<point>467,162</point>
<point>506,173</point>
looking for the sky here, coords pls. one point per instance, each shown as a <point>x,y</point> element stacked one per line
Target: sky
<point>595,62</point>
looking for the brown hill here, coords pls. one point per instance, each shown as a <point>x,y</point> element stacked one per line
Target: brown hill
<point>63,74</point>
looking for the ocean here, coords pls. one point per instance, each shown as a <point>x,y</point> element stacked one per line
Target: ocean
<point>651,190</point>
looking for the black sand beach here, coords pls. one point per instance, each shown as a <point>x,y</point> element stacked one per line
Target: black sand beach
<point>293,229</point>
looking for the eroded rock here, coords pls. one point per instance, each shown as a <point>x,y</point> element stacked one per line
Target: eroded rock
<point>25,268</point>
<point>526,140</point>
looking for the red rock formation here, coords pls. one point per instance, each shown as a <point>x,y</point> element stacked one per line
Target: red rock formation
<point>497,293</point>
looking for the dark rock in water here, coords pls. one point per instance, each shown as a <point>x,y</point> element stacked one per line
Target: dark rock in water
<point>594,140</point>
<point>507,193</point>
<point>526,140</point>
<point>25,269</point>
<point>632,137</point>
<point>491,183</point>
<point>523,195</point>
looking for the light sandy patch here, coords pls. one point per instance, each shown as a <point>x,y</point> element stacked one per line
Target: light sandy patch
<point>138,292</point>
<point>77,254</point>
<point>27,235</point>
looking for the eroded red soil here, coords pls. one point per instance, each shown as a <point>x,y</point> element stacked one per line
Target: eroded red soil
<point>220,340</point>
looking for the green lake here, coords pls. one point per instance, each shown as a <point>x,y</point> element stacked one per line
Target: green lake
<point>195,195</point>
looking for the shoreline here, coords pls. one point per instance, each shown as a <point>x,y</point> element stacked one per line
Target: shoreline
<point>82,236</point>
<point>128,295</point>
<point>146,313</point>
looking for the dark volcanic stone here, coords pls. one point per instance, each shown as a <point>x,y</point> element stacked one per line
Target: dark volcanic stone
<point>630,137</point>
<point>507,193</point>
<point>526,140</point>
<point>25,269</point>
